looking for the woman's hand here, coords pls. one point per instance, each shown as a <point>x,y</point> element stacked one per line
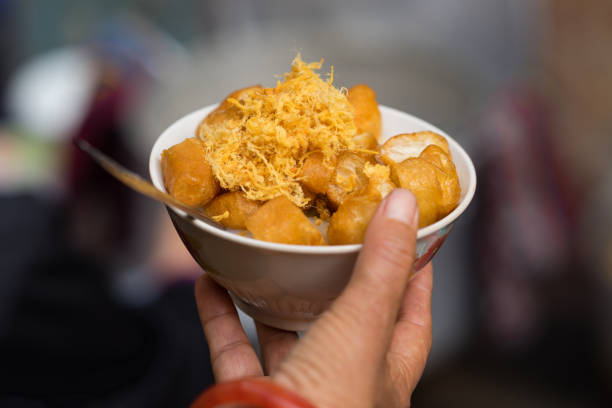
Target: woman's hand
<point>369,348</point>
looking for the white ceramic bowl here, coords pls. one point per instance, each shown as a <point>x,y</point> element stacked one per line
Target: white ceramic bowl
<point>288,286</point>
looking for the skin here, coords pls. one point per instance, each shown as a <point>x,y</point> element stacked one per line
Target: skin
<point>357,354</point>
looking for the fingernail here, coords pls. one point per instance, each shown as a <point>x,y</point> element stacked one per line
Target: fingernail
<point>401,206</point>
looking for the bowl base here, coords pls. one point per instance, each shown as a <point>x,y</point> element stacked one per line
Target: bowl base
<point>274,321</point>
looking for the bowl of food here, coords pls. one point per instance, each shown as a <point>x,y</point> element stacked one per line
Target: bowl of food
<point>293,174</point>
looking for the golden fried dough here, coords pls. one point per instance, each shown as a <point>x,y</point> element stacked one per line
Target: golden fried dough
<point>365,109</point>
<point>238,208</point>
<point>226,110</point>
<point>405,145</point>
<point>349,223</point>
<point>279,220</point>
<point>348,178</point>
<point>321,206</point>
<point>447,176</point>
<point>438,156</point>
<point>365,140</point>
<point>316,173</point>
<point>309,197</point>
<point>420,177</point>
<point>379,181</point>
<point>187,175</point>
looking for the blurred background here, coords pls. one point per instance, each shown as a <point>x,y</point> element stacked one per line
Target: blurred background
<point>96,290</point>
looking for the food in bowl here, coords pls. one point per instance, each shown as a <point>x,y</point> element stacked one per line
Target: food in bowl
<point>300,163</point>
<point>289,286</point>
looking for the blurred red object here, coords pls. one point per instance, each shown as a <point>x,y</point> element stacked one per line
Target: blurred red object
<point>250,392</point>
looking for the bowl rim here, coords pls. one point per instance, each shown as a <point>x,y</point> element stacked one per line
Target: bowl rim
<point>155,175</point>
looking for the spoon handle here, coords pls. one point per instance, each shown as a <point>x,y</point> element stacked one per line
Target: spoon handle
<point>137,183</point>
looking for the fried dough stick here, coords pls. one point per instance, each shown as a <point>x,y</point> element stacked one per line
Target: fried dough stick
<point>231,209</point>
<point>187,175</point>
<point>367,116</point>
<point>279,220</point>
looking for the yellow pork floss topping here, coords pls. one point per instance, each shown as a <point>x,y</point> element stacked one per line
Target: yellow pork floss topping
<point>261,149</point>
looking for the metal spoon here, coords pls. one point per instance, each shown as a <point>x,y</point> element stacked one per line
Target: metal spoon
<point>137,183</point>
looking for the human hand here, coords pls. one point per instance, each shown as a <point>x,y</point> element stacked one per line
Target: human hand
<point>368,349</point>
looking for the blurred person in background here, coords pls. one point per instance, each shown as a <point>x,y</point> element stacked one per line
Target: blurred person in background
<point>82,319</point>
<point>545,155</point>
<point>95,285</point>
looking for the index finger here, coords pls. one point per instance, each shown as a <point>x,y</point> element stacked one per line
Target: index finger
<point>412,336</point>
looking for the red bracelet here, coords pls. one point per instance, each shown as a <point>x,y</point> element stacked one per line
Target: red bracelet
<point>252,392</point>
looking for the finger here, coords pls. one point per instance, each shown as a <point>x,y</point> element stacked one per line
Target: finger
<point>274,344</point>
<point>415,311</point>
<point>231,353</point>
<point>346,348</point>
<point>411,341</point>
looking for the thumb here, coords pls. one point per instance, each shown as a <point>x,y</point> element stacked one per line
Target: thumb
<point>372,299</point>
<point>346,348</point>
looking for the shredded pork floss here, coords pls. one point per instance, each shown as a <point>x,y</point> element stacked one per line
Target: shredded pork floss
<point>260,149</point>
